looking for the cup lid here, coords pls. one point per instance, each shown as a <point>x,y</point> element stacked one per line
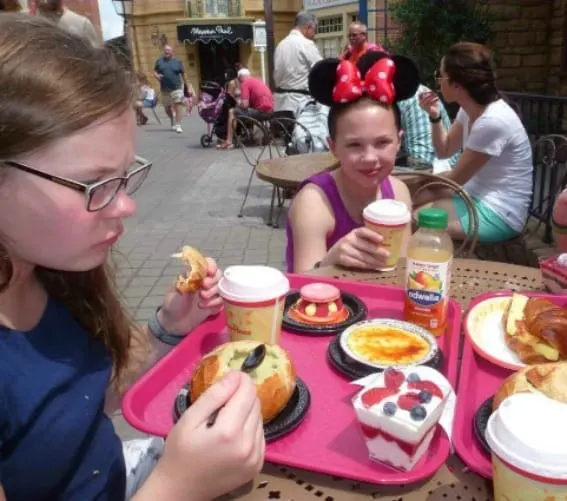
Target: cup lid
<point>527,431</point>
<point>387,211</point>
<point>252,283</point>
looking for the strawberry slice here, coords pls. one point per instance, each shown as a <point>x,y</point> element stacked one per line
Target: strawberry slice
<point>393,378</point>
<point>429,386</point>
<point>368,431</point>
<point>408,401</point>
<point>375,396</point>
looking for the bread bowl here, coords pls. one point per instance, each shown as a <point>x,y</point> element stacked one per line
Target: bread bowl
<point>274,378</point>
<point>196,272</point>
<point>549,379</point>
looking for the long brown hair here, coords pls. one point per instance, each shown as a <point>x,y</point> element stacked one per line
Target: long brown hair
<point>52,85</point>
<point>471,65</point>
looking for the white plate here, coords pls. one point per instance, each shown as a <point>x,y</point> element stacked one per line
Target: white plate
<point>397,324</point>
<point>484,326</point>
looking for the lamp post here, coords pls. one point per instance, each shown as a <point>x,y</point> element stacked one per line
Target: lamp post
<point>124,9</point>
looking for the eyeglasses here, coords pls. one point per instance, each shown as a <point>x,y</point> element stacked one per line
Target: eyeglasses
<point>100,194</point>
<point>437,75</point>
<point>354,35</point>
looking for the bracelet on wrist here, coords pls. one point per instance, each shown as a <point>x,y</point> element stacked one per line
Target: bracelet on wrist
<point>160,333</point>
<point>560,229</point>
<point>435,120</point>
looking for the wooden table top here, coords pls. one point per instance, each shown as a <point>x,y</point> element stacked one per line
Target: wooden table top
<point>289,172</point>
<point>453,481</point>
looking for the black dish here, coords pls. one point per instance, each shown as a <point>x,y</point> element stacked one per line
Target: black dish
<point>356,312</point>
<point>286,421</point>
<point>353,369</point>
<point>480,422</point>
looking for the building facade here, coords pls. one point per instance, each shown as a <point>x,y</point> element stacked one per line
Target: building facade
<point>208,36</point>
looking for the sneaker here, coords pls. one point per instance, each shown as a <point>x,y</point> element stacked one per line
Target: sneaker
<point>178,129</point>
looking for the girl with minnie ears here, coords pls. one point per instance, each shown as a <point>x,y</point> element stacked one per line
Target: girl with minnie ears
<point>325,225</point>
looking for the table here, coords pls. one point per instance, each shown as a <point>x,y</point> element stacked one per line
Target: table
<point>453,481</point>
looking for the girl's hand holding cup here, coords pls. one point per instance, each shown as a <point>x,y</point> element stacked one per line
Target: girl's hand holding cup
<point>361,248</point>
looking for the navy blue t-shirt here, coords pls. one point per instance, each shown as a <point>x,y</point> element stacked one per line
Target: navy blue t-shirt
<point>56,443</point>
<point>171,69</point>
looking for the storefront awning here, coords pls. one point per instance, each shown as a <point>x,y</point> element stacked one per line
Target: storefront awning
<point>205,33</point>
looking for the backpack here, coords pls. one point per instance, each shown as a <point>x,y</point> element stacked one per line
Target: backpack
<point>313,117</point>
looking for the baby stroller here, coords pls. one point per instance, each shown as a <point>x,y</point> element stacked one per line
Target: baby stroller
<point>214,104</point>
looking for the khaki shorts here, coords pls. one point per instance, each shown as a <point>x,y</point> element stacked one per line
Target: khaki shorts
<point>173,97</point>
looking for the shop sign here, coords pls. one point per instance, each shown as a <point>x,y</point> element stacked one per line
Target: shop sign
<point>205,33</point>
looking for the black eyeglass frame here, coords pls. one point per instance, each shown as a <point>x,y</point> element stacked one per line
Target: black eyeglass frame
<point>88,189</point>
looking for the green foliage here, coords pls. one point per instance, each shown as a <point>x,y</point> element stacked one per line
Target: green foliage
<point>430,27</point>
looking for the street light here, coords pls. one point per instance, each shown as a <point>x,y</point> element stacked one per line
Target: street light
<point>124,9</point>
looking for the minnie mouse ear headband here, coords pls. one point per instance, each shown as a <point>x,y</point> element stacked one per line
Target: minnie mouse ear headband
<point>382,77</point>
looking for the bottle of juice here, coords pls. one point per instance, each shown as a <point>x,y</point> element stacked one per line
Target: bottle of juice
<point>428,275</point>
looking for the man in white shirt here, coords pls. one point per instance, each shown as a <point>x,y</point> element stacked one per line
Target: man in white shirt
<point>69,21</point>
<point>294,57</point>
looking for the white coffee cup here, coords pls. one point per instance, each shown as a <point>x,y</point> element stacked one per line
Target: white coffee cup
<point>254,298</point>
<point>389,219</point>
<point>529,448</point>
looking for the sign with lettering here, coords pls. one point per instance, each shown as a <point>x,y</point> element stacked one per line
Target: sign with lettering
<point>320,4</point>
<point>205,33</point>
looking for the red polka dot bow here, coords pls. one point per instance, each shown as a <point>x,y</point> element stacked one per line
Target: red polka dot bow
<point>377,84</point>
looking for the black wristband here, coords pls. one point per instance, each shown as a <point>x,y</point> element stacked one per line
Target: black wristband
<point>435,120</point>
<point>160,333</point>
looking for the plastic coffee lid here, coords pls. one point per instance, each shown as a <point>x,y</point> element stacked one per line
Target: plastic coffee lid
<point>387,211</point>
<point>252,283</point>
<point>527,431</point>
<point>436,219</point>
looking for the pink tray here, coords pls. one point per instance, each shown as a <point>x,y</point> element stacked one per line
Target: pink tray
<point>479,380</point>
<point>328,441</point>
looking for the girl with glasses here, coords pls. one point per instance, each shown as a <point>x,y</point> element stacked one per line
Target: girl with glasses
<point>68,349</point>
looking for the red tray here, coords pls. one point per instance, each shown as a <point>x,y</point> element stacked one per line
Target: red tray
<point>479,380</point>
<point>328,441</point>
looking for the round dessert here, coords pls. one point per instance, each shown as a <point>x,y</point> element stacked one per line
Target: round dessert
<point>318,304</point>
<point>383,342</point>
<point>274,377</point>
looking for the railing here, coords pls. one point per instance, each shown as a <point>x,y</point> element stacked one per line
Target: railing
<point>213,8</point>
<point>540,114</point>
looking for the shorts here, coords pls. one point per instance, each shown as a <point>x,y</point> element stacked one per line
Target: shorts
<point>172,97</point>
<point>491,227</point>
<point>249,112</point>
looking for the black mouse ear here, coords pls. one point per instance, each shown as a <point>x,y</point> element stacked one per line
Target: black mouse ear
<point>322,80</point>
<point>406,78</point>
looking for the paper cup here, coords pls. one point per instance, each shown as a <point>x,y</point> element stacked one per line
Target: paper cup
<point>254,298</point>
<point>529,448</point>
<point>389,219</point>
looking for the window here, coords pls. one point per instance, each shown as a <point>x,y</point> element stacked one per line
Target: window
<point>330,47</point>
<point>333,24</point>
<point>216,8</point>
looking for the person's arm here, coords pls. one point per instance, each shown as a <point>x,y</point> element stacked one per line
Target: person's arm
<point>2,495</point>
<point>157,73</point>
<point>182,73</point>
<point>311,54</point>
<point>446,144</point>
<point>311,219</point>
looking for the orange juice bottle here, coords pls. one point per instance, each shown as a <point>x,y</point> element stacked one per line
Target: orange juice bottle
<point>428,273</point>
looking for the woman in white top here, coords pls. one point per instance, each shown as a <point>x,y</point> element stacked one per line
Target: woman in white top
<point>496,167</point>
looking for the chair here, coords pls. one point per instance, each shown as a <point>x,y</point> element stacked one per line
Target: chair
<point>418,181</point>
<point>549,179</point>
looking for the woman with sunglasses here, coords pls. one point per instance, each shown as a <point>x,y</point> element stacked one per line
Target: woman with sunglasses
<point>495,168</point>
<point>68,349</point>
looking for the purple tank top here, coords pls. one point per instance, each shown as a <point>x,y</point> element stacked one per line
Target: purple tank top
<point>343,221</point>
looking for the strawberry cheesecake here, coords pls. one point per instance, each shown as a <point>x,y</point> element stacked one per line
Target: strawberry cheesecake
<point>319,304</point>
<point>554,273</point>
<point>398,415</point>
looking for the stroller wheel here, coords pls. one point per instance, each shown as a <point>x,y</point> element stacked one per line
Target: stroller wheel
<point>206,140</point>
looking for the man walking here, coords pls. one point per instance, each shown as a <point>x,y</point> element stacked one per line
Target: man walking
<point>69,21</point>
<point>293,59</point>
<point>171,75</point>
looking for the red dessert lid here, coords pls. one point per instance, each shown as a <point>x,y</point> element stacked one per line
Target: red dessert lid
<point>319,292</point>
<point>556,264</point>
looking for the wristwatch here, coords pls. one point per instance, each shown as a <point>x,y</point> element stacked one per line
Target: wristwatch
<point>160,333</point>
<point>435,120</point>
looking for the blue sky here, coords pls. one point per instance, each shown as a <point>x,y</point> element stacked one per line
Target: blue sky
<point>111,23</point>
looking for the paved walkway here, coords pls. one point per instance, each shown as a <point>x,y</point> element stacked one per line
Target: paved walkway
<point>192,196</point>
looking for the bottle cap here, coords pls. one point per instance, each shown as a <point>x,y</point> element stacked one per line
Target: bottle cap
<point>436,219</point>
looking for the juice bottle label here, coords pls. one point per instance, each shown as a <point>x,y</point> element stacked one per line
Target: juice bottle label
<point>427,285</point>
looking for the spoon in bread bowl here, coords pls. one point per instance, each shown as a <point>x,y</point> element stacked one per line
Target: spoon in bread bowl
<point>251,362</point>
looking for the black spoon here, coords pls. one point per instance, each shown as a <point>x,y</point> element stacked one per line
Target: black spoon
<point>252,360</point>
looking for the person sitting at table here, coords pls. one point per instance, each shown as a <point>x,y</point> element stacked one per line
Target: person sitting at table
<point>69,348</point>
<point>325,226</point>
<point>495,168</point>
<point>559,221</point>
<point>255,98</point>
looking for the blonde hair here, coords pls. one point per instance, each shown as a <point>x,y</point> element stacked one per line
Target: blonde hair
<point>52,85</point>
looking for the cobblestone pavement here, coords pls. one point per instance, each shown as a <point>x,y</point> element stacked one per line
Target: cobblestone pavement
<point>192,196</point>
